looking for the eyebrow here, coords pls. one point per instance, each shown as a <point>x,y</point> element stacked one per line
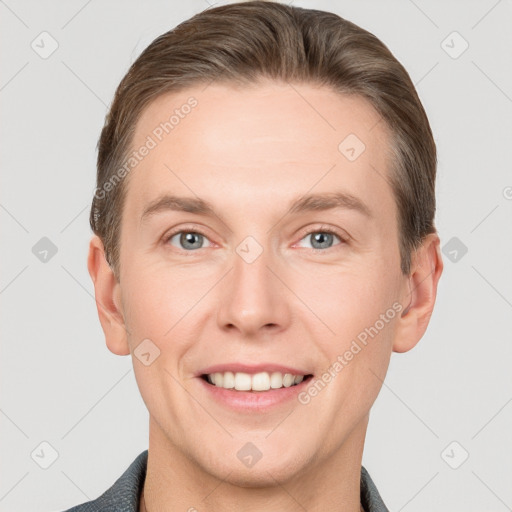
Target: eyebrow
<point>310,202</point>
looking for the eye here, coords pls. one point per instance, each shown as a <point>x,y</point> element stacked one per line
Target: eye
<point>322,239</point>
<point>187,240</point>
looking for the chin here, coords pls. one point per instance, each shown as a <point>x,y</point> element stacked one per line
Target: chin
<point>265,470</point>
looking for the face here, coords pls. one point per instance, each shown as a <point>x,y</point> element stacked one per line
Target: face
<point>276,252</point>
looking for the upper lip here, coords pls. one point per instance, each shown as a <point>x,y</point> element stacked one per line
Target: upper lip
<point>251,368</point>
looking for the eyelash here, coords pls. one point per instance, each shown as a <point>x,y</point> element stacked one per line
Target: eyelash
<point>322,229</point>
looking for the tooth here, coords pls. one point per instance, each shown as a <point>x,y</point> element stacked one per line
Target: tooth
<point>242,381</point>
<point>229,380</point>
<point>288,380</point>
<point>261,381</point>
<point>218,379</point>
<point>276,380</point>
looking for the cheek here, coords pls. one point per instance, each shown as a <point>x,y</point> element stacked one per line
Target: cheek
<point>161,303</point>
<point>149,301</point>
<point>158,305</point>
<point>160,299</point>
<point>362,312</point>
<point>349,300</point>
<point>358,308</point>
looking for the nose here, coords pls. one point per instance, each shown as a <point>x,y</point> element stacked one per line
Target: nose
<point>254,300</point>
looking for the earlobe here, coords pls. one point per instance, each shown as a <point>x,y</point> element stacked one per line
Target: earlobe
<point>419,294</point>
<point>108,299</point>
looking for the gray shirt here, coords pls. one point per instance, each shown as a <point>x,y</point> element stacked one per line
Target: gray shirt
<point>124,495</point>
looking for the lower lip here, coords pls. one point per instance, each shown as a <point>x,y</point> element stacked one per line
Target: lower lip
<point>254,401</point>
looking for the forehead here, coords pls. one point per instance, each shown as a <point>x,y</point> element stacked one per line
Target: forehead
<point>261,141</point>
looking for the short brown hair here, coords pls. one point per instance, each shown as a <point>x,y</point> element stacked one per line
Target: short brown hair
<point>247,41</point>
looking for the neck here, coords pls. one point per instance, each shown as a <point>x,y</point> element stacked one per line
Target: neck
<point>176,482</point>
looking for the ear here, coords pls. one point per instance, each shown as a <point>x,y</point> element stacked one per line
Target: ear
<point>419,294</point>
<point>108,299</point>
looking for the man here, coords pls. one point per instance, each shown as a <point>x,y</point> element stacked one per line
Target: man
<point>264,240</point>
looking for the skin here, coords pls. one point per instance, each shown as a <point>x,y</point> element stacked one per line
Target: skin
<point>250,151</point>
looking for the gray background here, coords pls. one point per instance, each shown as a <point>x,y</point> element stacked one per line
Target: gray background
<point>59,382</point>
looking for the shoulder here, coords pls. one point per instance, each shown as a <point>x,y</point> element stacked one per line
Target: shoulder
<point>124,494</point>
